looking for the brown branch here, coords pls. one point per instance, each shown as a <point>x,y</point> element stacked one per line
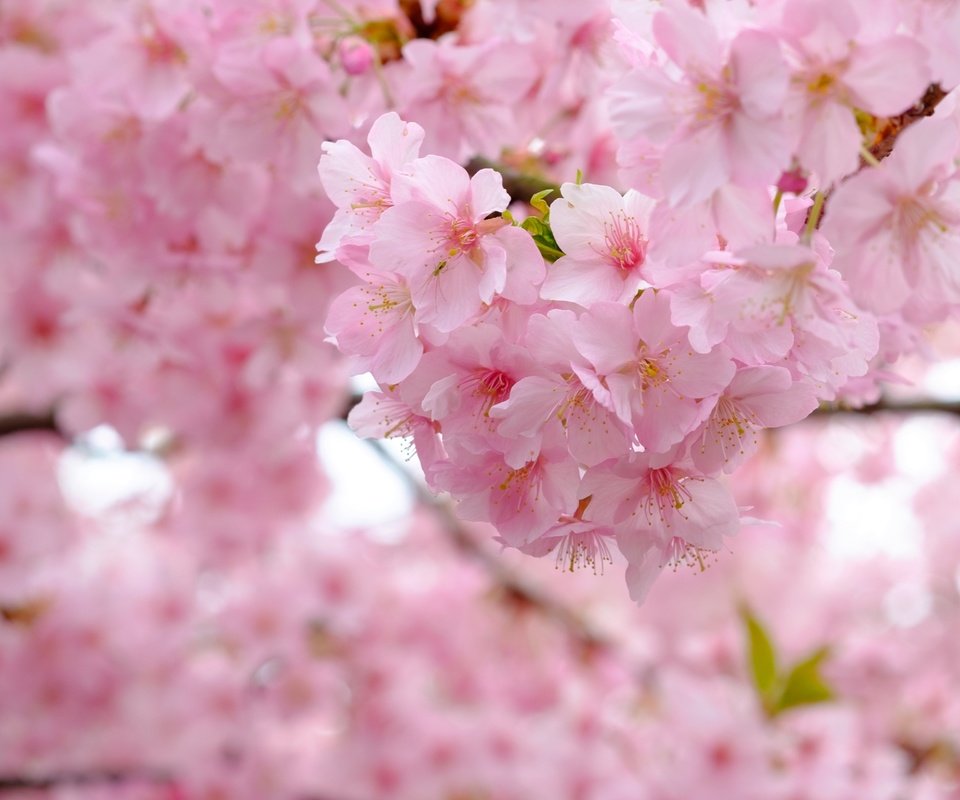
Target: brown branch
<point>18,783</point>
<point>447,15</point>
<point>43,783</point>
<point>892,127</point>
<point>922,406</point>
<point>24,421</point>
<point>519,185</point>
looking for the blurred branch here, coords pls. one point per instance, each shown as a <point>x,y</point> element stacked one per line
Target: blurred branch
<point>19,783</point>
<point>921,406</point>
<point>43,783</point>
<point>887,136</point>
<point>519,185</point>
<point>22,421</point>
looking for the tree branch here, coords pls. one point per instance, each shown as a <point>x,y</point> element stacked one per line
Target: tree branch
<point>921,406</point>
<point>17,783</point>
<point>887,135</point>
<point>23,421</point>
<point>519,185</point>
<point>42,783</point>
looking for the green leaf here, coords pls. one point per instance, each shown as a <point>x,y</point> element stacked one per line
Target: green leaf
<point>542,235</point>
<point>537,201</point>
<point>533,225</point>
<point>547,251</point>
<point>761,655</point>
<point>804,685</point>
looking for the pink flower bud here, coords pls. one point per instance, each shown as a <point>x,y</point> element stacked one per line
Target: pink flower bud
<point>356,55</point>
<point>792,182</point>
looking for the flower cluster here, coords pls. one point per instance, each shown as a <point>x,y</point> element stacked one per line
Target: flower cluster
<point>585,377</point>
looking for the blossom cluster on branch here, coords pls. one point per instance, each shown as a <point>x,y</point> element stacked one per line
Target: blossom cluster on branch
<point>582,378</point>
<point>581,370</point>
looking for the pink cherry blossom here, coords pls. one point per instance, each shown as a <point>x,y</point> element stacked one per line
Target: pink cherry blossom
<point>359,185</point>
<point>643,369</point>
<point>604,237</point>
<point>757,398</point>
<point>835,70</point>
<point>592,431</point>
<point>720,119</point>
<point>894,227</point>
<point>439,234</point>
<point>374,321</point>
<point>523,502</point>
<point>464,94</point>
<point>663,513</point>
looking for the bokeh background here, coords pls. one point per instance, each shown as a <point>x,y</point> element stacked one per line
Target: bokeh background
<point>210,589</point>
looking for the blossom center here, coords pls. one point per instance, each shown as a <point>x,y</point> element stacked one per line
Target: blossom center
<point>716,101</point>
<point>583,549</point>
<point>680,553</point>
<point>913,217</point>
<point>491,386</point>
<point>624,243</point>
<point>463,234</point>
<point>666,496</point>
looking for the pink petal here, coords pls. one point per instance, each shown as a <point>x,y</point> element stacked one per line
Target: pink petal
<point>888,77</point>
<point>393,142</point>
<point>688,38</point>
<point>487,194</point>
<point>695,166</point>
<point>922,151</point>
<point>583,282</point>
<point>438,181</point>
<point>759,73</point>
<point>831,146</point>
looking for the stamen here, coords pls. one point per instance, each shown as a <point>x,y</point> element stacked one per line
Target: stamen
<point>625,245</point>
<point>583,549</point>
<point>681,553</point>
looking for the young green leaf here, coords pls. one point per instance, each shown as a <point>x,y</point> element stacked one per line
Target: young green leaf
<point>804,685</point>
<point>761,655</point>
<point>538,202</point>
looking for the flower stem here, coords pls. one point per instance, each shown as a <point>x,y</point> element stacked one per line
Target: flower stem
<point>813,218</point>
<point>869,157</point>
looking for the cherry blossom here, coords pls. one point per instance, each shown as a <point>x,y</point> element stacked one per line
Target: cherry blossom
<point>762,223</point>
<point>894,226</point>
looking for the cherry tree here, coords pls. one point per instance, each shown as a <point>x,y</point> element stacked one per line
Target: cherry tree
<point>643,287</point>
